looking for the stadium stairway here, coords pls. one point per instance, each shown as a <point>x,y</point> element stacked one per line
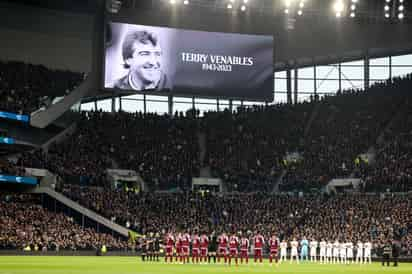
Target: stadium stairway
<point>82,210</point>
<point>312,118</point>
<point>278,181</point>
<point>43,118</point>
<point>201,139</point>
<point>380,139</point>
<point>204,170</point>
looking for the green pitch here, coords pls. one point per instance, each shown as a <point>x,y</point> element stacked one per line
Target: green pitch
<point>124,265</point>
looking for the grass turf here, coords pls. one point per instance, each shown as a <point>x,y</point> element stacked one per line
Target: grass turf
<point>124,265</point>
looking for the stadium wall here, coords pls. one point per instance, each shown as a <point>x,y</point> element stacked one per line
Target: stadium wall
<point>53,38</point>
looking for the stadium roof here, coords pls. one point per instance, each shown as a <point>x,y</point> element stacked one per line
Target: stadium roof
<point>315,37</point>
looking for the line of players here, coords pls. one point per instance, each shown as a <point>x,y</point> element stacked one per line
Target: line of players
<point>236,247</point>
<point>219,248</point>
<point>336,252</point>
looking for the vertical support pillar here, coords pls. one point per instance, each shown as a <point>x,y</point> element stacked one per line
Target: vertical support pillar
<point>366,71</point>
<point>315,87</point>
<point>170,105</point>
<point>340,76</point>
<point>144,104</point>
<point>289,86</point>
<point>113,104</point>
<point>295,90</point>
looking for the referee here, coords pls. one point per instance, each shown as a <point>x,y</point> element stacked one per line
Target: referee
<point>212,247</point>
<point>387,253</point>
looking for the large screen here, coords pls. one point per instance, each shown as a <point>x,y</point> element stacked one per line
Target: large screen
<point>182,62</point>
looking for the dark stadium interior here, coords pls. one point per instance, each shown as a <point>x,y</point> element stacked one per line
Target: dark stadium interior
<point>330,158</point>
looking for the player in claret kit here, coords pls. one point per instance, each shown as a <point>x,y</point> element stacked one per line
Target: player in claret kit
<point>179,247</point>
<point>170,241</point>
<point>259,242</point>
<point>222,250</point>
<point>186,247</point>
<point>204,245</point>
<point>244,249</point>
<point>274,249</point>
<point>195,247</point>
<point>233,248</point>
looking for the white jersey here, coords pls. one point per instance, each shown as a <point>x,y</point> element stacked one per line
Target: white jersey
<point>329,248</point>
<point>368,249</point>
<point>359,250</point>
<point>322,245</point>
<point>313,248</point>
<point>349,250</point>
<point>336,246</point>
<point>294,250</point>
<point>342,250</point>
<point>283,248</point>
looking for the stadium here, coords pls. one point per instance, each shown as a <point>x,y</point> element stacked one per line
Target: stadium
<point>205,136</point>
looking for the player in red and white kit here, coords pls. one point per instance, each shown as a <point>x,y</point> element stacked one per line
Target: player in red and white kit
<point>244,249</point>
<point>222,250</point>
<point>233,248</point>
<point>170,240</point>
<point>204,246</point>
<point>274,248</point>
<point>259,242</point>
<point>195,248</point>
<point>185,247</point>
<point>179,248</point>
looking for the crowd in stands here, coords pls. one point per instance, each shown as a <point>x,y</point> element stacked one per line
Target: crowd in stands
<point>25,88</point>
<point>24,222</point>
<point>162,149</point>
<point>346,218</point>
<point>81,158</point>
<point>246,148</point>
<point>392,167</point>
<point>346,125</point>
